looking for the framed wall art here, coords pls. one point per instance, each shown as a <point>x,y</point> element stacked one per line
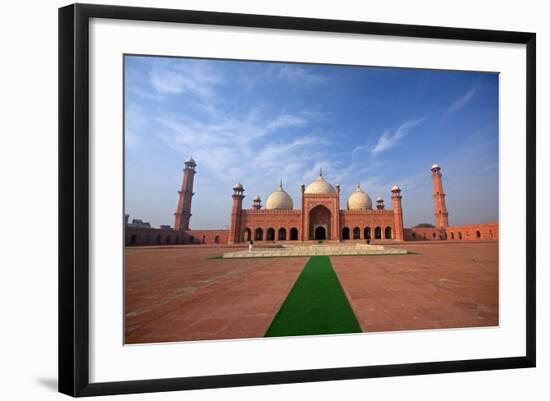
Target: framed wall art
<point>251,199</point>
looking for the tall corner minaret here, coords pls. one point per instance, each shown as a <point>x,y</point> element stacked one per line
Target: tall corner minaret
<point>183,211</point>
<point>440,208</point>
<point>397,213</point>
<point>236,214</point>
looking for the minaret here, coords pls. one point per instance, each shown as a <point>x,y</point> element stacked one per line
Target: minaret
<point>397,213</point>
<point>304,232</point>
<point>183,211</point>
<point>441,215</point>
<point>337,223</point>
<point>236,213</point>
<point>380,203</point>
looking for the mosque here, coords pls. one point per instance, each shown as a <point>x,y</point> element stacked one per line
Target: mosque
<point>320,217</point>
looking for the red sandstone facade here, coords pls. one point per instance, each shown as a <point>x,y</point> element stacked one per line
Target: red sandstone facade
<point>320,217</point>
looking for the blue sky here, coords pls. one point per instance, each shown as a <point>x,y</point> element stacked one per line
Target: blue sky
<point>259,122</point>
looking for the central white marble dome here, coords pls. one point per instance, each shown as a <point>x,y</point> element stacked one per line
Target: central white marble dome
<point>279,200</point>
<point>320,186</point>
<point>359,200</point>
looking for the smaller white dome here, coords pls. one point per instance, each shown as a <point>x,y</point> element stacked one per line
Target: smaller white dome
<point>238,187</point>
<point>279,200</point>
<point>359,200</point>
<point>395,188</point>
<point>379,199</point>
<point>257,198</point>
<point>435,165</point>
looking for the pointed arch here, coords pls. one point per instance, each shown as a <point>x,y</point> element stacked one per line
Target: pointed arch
<point>319,216</point>
<point>366,233</point>
<point>345,233</point>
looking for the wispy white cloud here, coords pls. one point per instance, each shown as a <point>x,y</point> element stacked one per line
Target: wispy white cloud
<point>463,100</point>
<point>273,153</point>
<point>198,79</point>
<point>391,138</point>
<point>286,121</point>
<point>246,149</point>
<point>296,74</point>
<point>293,74</point>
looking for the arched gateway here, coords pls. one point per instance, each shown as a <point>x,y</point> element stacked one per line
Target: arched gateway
<point>319,223</point>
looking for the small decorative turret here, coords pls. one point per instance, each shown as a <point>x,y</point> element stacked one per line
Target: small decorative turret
<point>380,203</point>
<point>257,202</point>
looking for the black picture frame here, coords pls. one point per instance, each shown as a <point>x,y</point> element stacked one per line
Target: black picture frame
<point>74,198</point>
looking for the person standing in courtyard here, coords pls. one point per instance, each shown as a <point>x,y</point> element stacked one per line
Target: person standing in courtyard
<point>250,243</point>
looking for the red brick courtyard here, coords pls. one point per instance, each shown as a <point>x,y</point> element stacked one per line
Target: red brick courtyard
<point>185,293</point>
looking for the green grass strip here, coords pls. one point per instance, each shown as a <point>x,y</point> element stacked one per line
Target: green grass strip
<point>316,304</point>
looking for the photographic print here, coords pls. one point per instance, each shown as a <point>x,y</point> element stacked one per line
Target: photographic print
<point>270,199</point>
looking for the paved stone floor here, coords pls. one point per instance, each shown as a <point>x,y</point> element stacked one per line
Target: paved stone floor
<point>185,293</point>
<point>182,293</point>
<point>439,286</point>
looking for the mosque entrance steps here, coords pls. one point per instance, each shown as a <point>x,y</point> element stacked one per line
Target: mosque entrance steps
<point>316,250</point>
